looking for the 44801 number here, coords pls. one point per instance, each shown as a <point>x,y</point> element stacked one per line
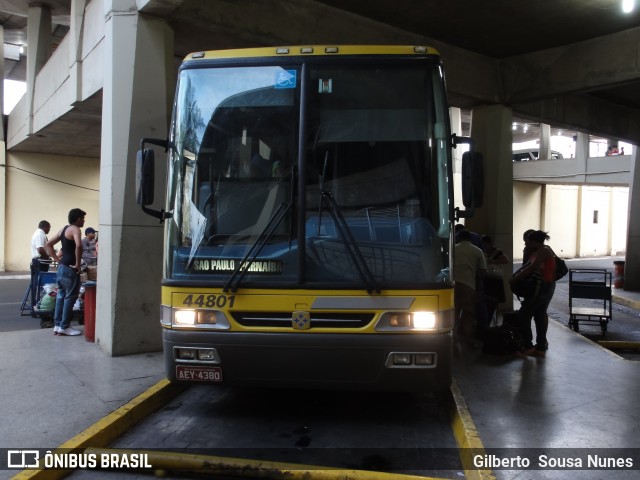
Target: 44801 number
<point>219,301</point>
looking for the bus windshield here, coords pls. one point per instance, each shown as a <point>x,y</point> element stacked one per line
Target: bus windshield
<point>318,174</point>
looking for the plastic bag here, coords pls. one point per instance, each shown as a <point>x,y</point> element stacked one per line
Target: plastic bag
<point>48,302</point>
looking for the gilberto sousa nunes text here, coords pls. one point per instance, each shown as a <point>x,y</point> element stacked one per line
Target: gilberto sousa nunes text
<point>563,459</point>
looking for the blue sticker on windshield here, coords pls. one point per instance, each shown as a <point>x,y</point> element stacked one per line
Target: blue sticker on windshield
<point>286,79</point>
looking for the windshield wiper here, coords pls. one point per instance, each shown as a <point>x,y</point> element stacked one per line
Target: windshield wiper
<point>321,185</point>
<point>349,242</point>
<point>253,252</point>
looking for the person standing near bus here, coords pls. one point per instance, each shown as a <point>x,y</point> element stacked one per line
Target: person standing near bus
<point>89,251</point>
<point>542,264</point>
<point>481,317</point>
<point>68,276</point>
<point>469,265</point>
<point>39,258</point>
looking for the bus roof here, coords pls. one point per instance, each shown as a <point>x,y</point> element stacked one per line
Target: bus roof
<point>313,50</point>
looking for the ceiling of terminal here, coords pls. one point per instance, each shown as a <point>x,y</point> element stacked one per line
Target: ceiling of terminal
<point>500,30</point>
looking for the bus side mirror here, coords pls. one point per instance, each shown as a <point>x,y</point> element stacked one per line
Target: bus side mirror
<point>472,184</point>
<point>145,177</point>
<point>472,179</point>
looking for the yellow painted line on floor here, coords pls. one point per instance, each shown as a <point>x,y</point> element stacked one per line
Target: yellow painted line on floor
<point>619,345</point>
<point>467,436</point>
<point>627,302</point>
<point>209,465</point>
<point>109,428</point>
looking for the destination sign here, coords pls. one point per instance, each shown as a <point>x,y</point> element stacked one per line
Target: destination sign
<point>222,265</point>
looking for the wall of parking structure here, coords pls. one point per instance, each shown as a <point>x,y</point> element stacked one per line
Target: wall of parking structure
<point>45,187</point>
<point>582,221</point>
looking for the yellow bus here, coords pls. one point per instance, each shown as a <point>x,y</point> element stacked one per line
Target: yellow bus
<point>308,219</point>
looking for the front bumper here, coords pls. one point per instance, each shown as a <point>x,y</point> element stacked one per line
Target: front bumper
<point>325,361</point>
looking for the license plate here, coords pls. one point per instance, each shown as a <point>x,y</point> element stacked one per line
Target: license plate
<point>188,373</point>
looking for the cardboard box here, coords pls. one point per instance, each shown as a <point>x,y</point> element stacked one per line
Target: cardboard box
<point>92,273</point>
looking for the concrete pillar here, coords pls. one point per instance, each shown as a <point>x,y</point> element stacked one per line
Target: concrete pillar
<point>2,82</point>
<point>491,130</point>
<point>456,128</point>
<point>139,79</point>
<point>544,152</point>
<point>39,50</point>
<point>3,202</point>
<point>579,220</point>
<point>582,153</point>
<point>3,158</point>
<point>76,31</point>
<point>455,115</point>
<point>632,258</point>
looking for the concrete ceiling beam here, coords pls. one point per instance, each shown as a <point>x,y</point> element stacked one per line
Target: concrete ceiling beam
<point>605,61</point>
<point>586,113</point>
<point>304,22</point>
<point>161,8</point>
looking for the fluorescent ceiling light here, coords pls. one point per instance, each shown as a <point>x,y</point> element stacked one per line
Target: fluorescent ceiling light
<point>628,5</point>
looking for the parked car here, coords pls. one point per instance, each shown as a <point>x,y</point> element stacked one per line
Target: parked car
<point>526,155</point>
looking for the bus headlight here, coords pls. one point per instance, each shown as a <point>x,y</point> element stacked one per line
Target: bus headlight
<point>424,321</point>
<point>210,319</point>
<point>409,322</point>
<point>184,317</point>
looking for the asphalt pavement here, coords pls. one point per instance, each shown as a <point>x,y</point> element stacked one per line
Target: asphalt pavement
<point>12,290</point>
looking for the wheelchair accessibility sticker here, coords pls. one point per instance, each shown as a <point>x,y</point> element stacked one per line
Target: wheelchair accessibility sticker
<point>286,79</point>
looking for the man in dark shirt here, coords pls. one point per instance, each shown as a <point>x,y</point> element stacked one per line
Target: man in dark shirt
<point>68,276</point>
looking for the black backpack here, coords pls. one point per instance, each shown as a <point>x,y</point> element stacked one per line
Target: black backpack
<point>505,339</point>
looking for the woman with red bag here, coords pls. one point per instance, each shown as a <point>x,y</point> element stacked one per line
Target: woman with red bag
<point>542,266</point>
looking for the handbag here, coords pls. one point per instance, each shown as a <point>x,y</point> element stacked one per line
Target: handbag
<point>525,287</point>
<point>561,268</point>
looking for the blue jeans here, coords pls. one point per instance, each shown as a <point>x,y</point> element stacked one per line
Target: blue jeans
<point>68,281</point>
<point>536,307</point>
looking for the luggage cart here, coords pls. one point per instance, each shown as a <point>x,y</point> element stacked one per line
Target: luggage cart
<point>589,298</point>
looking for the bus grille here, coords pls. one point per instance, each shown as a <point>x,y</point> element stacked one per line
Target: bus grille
<point>318,320</point>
